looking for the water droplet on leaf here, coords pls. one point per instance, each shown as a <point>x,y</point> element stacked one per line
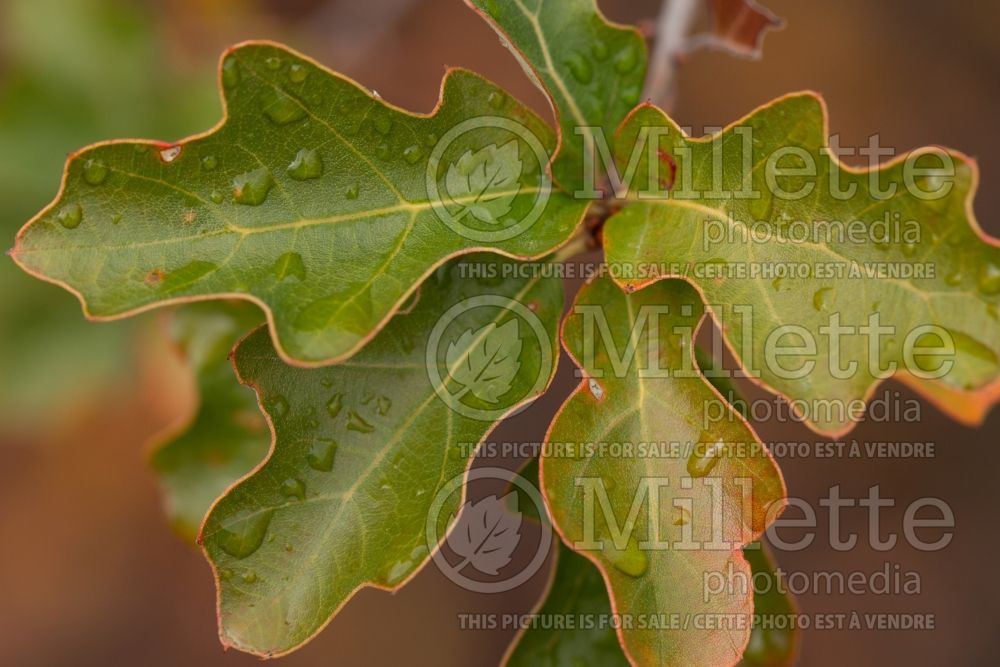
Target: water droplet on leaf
<point>398,572</point>
<point>681,517</point>
<point>281,107</point>
<point>580,68</point>
<point>289,265</point>
<point>277,405</point>
<point>356,422</point>
<point>382,124</point>
<point>322,455</point>
<point>297,73</point>
<point>252,187</point>
<point>70,215</point>
<point>989,279</point>
<point>230,73</point>
<point>626,60</point>
<point>293,488</point>
<point>631,560</point>
<point>307,165</point>
<point>95,171</point>
<point>242,536</point>
<point>335,404</point>
<point>705,455</point>
<point>412,153</point>
<point>821,298</point>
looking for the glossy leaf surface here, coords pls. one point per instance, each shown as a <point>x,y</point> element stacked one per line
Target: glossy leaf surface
<point>591,70</point>
<point>361,451</point>
<point>905,271</point>
<point>314,198</point>
<point>656,523</point>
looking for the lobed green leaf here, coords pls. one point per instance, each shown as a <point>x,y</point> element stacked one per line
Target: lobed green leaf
<point>575,620</point>
<point>576,598</point>
<point>959,291</point>
<point>591,70</point>
<point>715,467</point>
<point>362,451</point>
<point>313,198</point>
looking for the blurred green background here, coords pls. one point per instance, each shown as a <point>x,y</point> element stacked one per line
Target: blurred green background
<point>90,573</point>
<point>72,73</point>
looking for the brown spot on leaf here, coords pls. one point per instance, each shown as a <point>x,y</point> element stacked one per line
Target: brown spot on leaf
<point>155,277</point>
<point>667,159</point>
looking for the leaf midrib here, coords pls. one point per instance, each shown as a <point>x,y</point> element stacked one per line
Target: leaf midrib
<point>550,65</point>
<point>346,496</point>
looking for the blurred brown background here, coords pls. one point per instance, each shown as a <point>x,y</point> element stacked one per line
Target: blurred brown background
<point>90,572</point>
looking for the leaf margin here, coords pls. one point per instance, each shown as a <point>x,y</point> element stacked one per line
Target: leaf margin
<point>532,74</point>
<point>266,310</point>
<point>427,558</point>
<point>183,424</point>
<point>582,388</point>
<point>952,401</point>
